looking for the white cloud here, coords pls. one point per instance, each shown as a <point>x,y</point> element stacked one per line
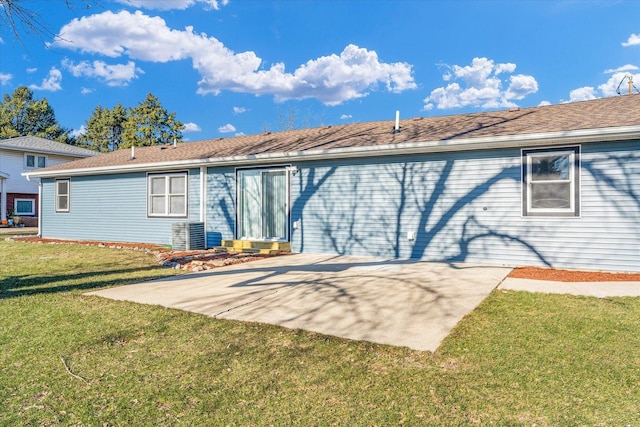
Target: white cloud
<point>86,90</point>
<point>624,68</point>
<point>633,40</point>
<point>582,94</point>
<point>239,110</point>
<point>544,103</point>
<point>480,85</point>
<point>228,128</point>
<point>31,70</point>
<point>50,83</point>
<point>5,78</point>
<point>332,79</point>
<point>239,134</point>
<point>345,116</point>
<point>618,82</point>
<point>77,132</point>
<point>173,4</point>
<point>112,75</point>
<point>520,86</point>
<point>191,127</point>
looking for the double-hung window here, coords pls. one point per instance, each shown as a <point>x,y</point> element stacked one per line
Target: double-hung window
<point>63,194</point>
<point>167,194</point>
<point>551,182</point>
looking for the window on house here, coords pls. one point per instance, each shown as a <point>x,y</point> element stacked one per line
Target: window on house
<point>24,207</point>
<point>32,161</point>
<point>167,194</point>
<point>63,191</point>
<point>551,184</point>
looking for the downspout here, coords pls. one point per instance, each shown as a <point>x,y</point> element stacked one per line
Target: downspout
<point>39,204</point>
<point>39,209</point>
<point>3,200</point>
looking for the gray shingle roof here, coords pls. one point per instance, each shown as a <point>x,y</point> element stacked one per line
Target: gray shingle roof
<point>41,145</point>
<point>614,112</point>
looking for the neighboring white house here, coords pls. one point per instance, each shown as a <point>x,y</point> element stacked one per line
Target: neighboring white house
<point>19,196</point>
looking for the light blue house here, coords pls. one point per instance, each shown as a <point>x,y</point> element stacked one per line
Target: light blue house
<point>547,186</point>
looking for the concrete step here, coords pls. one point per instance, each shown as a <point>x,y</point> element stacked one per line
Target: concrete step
<point>249,251</point>
<point>238,245</point>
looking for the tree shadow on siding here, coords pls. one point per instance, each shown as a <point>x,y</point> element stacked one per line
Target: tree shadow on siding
<point>308,185</point>
<point>221,205</point>
<point>619,173</point>
<point>424,200</point>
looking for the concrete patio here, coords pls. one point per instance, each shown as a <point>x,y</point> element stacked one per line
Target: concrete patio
<point>396,302</point>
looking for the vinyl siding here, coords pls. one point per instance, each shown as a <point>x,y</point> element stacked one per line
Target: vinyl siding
<point>461,206</point>
<point>467,207</point>
<point>221,207</point>
<point>112,208</point>
<point>13,163</point>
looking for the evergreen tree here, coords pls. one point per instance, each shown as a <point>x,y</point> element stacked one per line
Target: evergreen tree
<point>150,124</point>
<point>104,129</point>
<point>22,115</point>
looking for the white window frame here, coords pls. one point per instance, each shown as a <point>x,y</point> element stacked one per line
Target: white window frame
<point>289,170</point>
<point>59,195</point>
<point>573,179</point>
<point>36,161</point>
<point>166,196</point>
<point>31,212</point>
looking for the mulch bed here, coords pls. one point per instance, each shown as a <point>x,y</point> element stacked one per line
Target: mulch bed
<point>572,275</point>
<point>211,258</point>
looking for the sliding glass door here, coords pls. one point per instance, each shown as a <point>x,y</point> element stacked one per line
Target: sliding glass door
<point>262,205</point>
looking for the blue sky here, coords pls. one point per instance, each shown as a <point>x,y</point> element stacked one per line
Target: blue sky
<point>232,67</point>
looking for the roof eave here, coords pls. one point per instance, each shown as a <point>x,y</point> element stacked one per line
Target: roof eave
<point>41,151</point>
<point>463,144</point>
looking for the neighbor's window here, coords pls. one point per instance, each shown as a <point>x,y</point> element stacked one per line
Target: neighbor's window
<point>63,191</point>
<point>551,184</point>
<point>32,161</point>
<point>24,207</point>
<point>167,194</point>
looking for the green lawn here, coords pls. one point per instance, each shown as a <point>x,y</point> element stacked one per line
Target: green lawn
<point>519,359</point>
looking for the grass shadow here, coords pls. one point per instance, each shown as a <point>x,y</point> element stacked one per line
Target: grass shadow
<point>23,285</point>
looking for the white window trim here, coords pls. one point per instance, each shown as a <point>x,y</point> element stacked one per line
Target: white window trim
<point>290,170</point>
<point>68,195</point>
<point>166,213</point>
<point>15,207</point>
<point>574,172</point>
<point>35,160</point>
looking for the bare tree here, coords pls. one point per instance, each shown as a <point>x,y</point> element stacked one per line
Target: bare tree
<point>25,20</point>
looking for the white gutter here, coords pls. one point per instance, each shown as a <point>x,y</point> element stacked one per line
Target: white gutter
<point>437,146</point>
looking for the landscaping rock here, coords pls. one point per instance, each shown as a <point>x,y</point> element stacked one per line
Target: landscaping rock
<point>200,260</point>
